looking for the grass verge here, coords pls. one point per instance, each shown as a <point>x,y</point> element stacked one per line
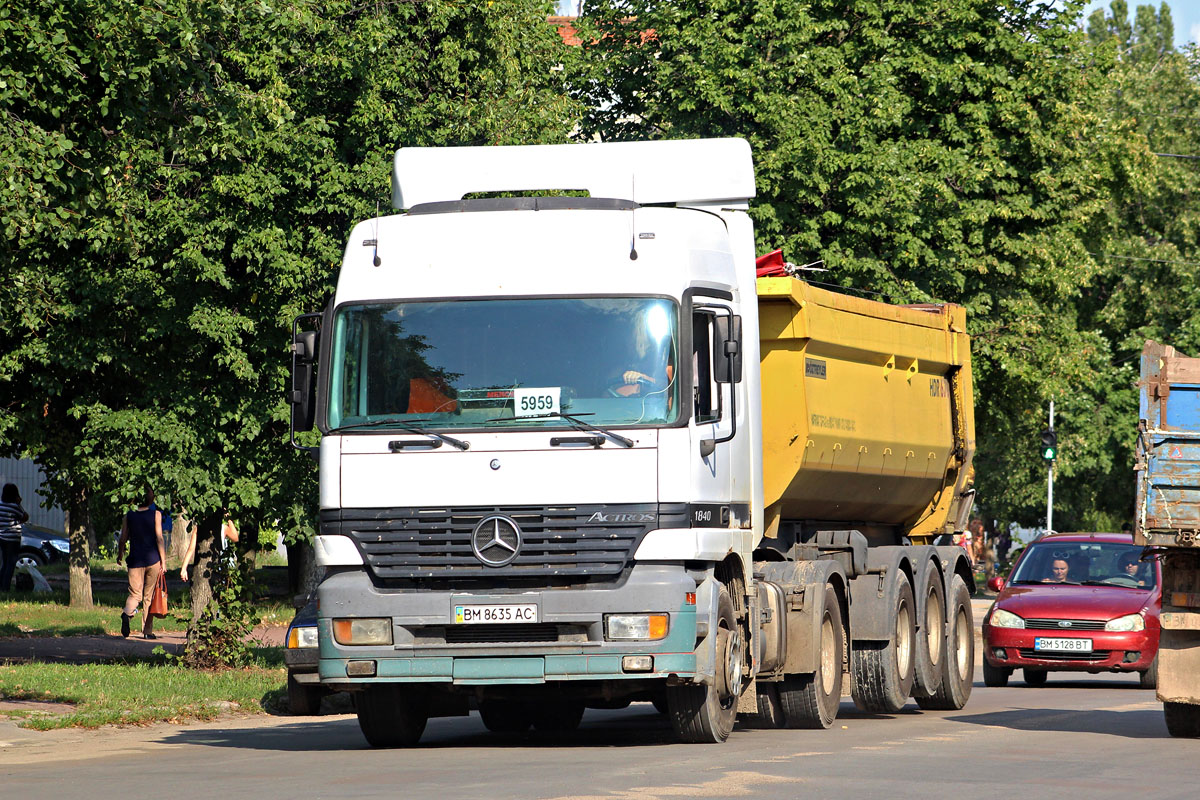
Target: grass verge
<point>139,693</point>
<point>50,614</point>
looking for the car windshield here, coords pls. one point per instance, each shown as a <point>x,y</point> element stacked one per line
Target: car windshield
<point>1085,562</point>
<point>505,363</point>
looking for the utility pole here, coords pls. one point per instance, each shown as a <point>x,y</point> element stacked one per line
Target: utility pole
<point>1050,479</point>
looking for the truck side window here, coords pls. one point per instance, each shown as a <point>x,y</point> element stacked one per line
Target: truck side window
<point>704,390</point>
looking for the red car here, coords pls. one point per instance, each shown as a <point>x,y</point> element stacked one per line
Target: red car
<point>1080,602</point>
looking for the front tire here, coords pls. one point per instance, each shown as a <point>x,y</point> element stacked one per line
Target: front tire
<point>705,713</point>
<point>1148,678</point>
<point>304,699</point>
<point>994,677</point>
<point>958,664</point>
<point>391,715</point>
<point>812,700</point>
<point>1183,720</point>
<point>883,673</point>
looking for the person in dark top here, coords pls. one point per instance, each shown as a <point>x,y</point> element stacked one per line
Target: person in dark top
<point>142,530</point>
<point>12,515</point>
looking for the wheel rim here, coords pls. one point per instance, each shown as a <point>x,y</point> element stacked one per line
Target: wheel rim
<point>733,665</point>
<point>25,561</point>
<point>828,655</point>
<point>933,627</point>
<point>963,643</point>
<point>903,638</point>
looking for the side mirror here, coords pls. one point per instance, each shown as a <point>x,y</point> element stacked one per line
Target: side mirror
<point>303,393</point>
<point>727,349</point>
<point>996,584</point>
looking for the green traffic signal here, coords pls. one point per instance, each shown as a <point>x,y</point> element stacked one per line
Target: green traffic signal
<point>1049,444</point>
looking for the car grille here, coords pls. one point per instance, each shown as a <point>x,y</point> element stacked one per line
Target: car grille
<point>1043,655</point>
<point>558,543</point>
<point>1076,624</point>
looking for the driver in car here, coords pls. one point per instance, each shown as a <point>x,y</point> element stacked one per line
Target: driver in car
<point>1058,571</point>
<point>1129,565</point>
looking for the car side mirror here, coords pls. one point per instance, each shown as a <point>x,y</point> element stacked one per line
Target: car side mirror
<point>996,583</point>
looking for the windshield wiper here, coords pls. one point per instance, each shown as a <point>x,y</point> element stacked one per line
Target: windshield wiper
<point>408,426</point>
<point>576,423</point>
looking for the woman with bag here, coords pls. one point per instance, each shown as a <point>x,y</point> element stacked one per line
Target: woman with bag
<point>142,529</point>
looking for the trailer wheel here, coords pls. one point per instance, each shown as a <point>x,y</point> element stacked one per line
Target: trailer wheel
<point>812,700</point>
<point>1183,720</point>
<point>931,637</point>
<point>559,717</point>
<point>994,677</point>
<point>705,714</point>
<point>390,716</point>
<point>958,666</point>
<point>1148,678</point>
<point>505,716</point>
<point>883,671</point>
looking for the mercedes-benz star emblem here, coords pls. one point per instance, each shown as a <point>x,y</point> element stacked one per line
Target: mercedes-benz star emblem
<point>496,541</point>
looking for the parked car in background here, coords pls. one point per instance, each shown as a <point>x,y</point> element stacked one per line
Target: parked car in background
<point>301,657</point>
<point>1081,602</point>
<point>41,546</point>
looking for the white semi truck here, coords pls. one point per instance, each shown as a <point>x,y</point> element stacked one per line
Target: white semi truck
<point>577,453</point>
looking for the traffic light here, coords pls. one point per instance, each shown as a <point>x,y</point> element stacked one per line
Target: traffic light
<point>1049,444</point>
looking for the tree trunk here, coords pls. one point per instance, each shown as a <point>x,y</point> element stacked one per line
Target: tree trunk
<point>78,568</point>
<point>208,528</point>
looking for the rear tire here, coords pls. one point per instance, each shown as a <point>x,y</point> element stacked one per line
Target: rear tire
<point>1035,677</point>
<point>391,715</point>
<point>883,672</point>
<point>958,665</point>
<point>706,713</point>
<point>931,636</point>
<point>812,700</point>
<point>505,716</point>
<point>304,699</point>
<point>994,677</point>
<point>770,707</point>
<point>1148,678</point>
<point>1183,720</point>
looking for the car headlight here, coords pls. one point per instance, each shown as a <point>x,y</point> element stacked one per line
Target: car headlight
<point>377,630</point>
<point>1006,619</point>
<point>1129,622</point>
<point>302,636</point>
<point>646,627</point>
<point>61,545</point>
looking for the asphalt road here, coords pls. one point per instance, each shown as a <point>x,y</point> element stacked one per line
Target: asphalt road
<point>1094,736</point>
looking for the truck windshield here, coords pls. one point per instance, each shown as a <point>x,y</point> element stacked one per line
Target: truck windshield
<point>506,363</point>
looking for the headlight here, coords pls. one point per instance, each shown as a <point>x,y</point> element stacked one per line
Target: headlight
<point>363,631</point>
<point>635,626</point>
<point>1006,619</point>
<point>61,545</point>
<point>302,636</point>
<point>1129,622</point>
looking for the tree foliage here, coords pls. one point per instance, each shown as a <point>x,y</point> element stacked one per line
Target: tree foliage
<point>179,181</point>
<point>957,150</point>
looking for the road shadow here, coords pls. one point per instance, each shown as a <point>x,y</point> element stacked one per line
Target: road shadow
<point>1132,724</point>
<point>599,729</point>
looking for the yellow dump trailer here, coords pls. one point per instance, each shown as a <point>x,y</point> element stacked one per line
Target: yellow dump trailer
<point>867,412</point>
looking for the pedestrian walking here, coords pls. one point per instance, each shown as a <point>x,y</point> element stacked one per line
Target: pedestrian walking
<point>12,515</point>
<point>142,530</point>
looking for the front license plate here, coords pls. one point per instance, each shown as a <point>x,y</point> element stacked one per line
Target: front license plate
<point>1063,645</point>
<point>480,613</point>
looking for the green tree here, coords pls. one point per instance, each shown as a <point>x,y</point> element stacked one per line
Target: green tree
<point>944,151</point>
<point>181,180</point>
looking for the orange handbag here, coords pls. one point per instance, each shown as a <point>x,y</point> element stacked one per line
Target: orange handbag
<point>158,600</point>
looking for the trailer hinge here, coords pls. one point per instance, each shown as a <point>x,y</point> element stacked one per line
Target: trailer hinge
<point>795,599</point>
<point>882,581</point>
<point>765,615</point>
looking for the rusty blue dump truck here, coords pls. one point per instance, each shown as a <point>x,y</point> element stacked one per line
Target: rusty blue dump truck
<point>1168,521</point>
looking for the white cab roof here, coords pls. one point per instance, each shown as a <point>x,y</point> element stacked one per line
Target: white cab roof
<point>693,171</point>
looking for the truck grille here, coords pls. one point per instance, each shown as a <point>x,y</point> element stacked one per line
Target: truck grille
<point>559,544</point>
<point>1076,624</point>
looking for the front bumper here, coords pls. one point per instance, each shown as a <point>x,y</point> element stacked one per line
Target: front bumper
<point>1111,650</point>
<point>428,647</point>
<point>302,663</point>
